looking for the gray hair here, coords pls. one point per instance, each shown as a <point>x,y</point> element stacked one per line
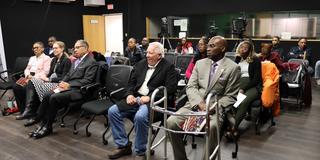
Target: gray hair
<point>84,43</point>
<point>158,48</point>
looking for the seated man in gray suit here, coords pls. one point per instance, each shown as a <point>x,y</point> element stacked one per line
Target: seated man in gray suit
<point>82,72</point>
<point>213,73</point>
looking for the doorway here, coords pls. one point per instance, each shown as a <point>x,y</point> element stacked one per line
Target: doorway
<point>114,33</point>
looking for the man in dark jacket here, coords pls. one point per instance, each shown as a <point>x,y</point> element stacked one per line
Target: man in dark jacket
<point>149,73</point>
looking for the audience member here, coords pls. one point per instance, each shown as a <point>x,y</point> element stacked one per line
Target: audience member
<point>133,52</point>
<point>201,53</point>
<point>213,73</point>
<point>268,55</point>
<point>38,67</point>
<point>49,50</point>
<point>277,48</point>
<point>250,81</point>
<point>36,88</point>
<point>148,74</point>
<point>301,51</point>
<point>144,45</point>
<point>82,72</point>
<point>184,47</point>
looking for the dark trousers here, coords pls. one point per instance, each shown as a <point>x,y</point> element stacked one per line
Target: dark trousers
<point>52,102</point>
<point>20,96</point>
<point>252,94</point>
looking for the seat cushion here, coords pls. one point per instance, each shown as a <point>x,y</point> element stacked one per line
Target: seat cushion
<point>97,107</point>
<point>6,85</point>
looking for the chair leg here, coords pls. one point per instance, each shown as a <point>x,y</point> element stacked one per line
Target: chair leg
<point>3,93</point>
<point>88,134</point>
<point>104,141</point>
<point>63,116</point>
<point>234,154</point>
<point>257,123</point>
<point>185,139</point>
<point>75,131</point>
<point>130,131</point>
<point>193,145</point>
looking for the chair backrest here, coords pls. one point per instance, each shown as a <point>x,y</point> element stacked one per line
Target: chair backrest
<point>170,57</point>
<point>231,55</point>
<point>120,60</point>
<point>101,72</point>
<point>299,61</point>
<point>182,62</point>
<point>20,64</point>
<point>118,76</point>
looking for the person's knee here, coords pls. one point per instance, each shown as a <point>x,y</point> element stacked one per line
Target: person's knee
<point>171,123</point>
<point>141,118</point>
<point>113,110</point>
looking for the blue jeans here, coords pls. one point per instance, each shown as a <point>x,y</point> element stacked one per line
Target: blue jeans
<point>140,117</point>
<point>317,70</point>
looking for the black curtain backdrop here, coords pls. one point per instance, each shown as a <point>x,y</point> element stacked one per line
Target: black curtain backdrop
<point>23,23</point>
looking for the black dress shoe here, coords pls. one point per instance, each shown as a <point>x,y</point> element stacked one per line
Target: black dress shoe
<point>31,134</point>
<point>45,131</point>
<point>31,122</point>
<point>24,116</point>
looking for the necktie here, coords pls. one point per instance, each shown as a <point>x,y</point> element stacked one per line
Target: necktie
<point>76,63</point>
<point>212,72</point>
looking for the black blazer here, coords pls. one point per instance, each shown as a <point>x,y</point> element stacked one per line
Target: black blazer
<point>254,74</point>
<point>135,57</point>
<point>62,67</point>
<point>164,75</point>
<point>84,74</point>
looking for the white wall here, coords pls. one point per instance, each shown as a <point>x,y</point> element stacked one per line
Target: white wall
<point>3,64</point>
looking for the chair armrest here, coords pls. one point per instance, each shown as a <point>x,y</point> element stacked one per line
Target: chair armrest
<point>116,94</point>
<point>84,89</point>
<point>17,75</point>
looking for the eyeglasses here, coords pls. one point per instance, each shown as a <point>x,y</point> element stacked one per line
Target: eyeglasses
<point>33,48</point>
<point>77,47</point>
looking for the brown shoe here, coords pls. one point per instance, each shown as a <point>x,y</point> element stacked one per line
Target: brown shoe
<point>119,152</point>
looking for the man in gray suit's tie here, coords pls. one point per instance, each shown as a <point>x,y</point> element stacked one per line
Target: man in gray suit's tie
<point>213,73</point>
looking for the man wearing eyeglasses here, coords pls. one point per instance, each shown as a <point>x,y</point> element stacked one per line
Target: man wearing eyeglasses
<point>82,72</point>
<point>38,66</point>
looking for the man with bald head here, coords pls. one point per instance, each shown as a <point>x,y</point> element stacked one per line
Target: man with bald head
<point>133,52</point>
<point>216,72</point>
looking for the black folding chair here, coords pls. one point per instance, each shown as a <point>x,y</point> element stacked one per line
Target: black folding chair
<point>17,72</point>
<point>170,57</point>
<point>116,80</point>
<point>89,92</point>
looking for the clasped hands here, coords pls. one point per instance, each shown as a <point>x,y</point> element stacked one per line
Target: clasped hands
<point>62,86</point>
<point>202,107</point>
<point>131,100</point>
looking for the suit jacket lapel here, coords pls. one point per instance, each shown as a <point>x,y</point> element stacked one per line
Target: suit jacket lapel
<point>217,75</point>
<point>144,72</point>
<point>156,71</point>
<point>79,65</point>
